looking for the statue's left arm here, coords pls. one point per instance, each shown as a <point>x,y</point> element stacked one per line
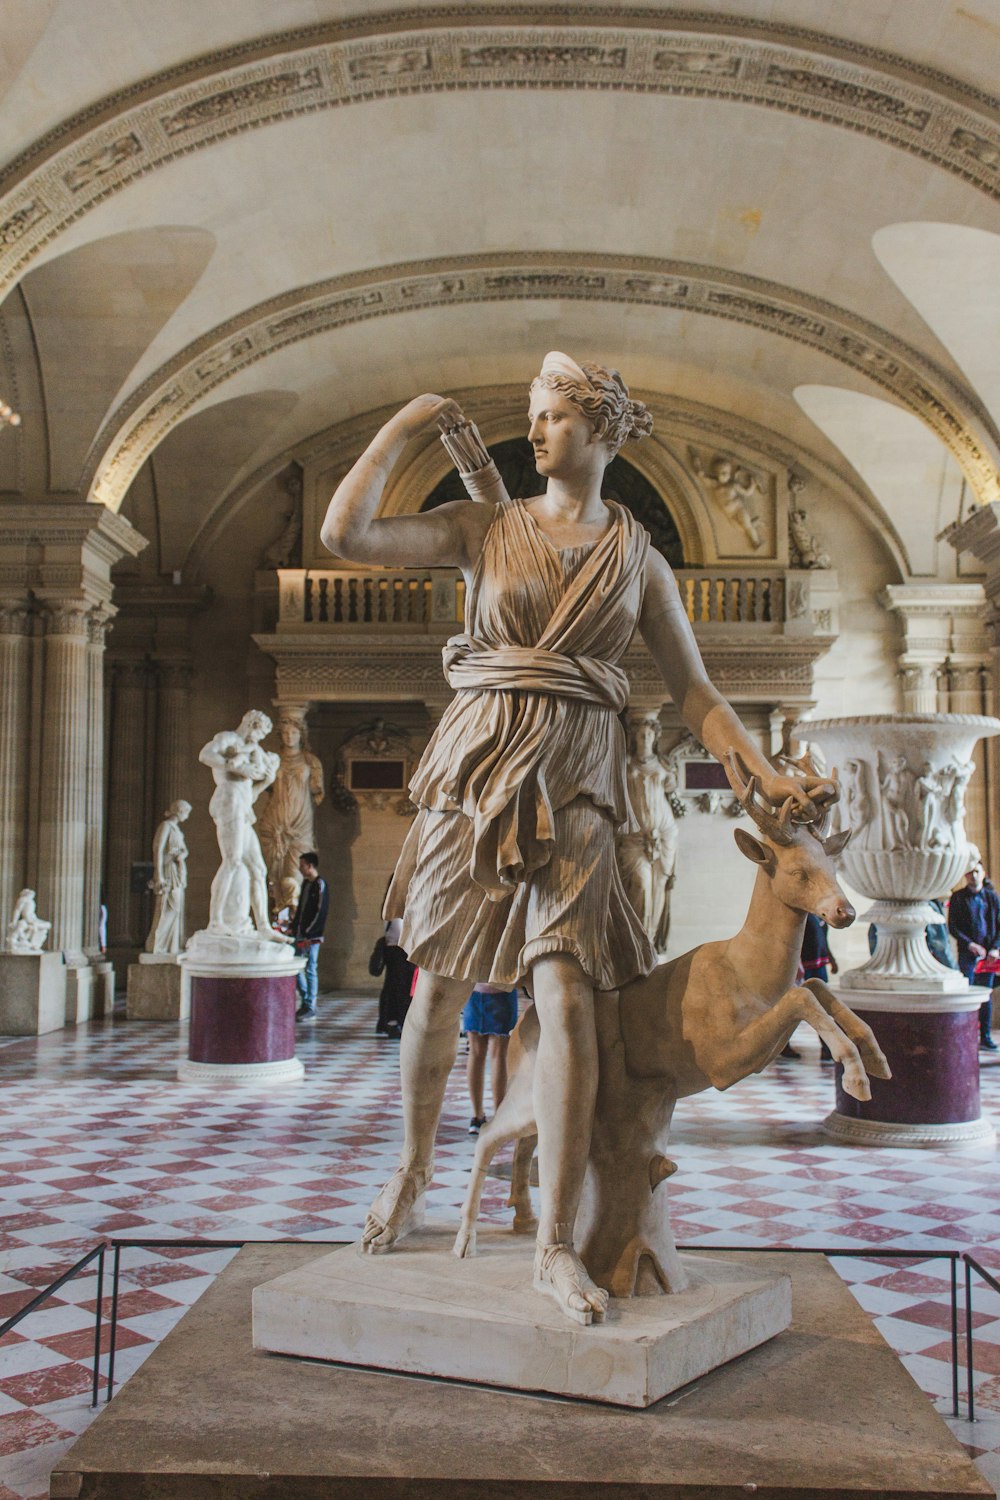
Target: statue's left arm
<point>667,632</point>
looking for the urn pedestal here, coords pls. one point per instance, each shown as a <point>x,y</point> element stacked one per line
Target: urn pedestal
<point>931,1043</point>
<point>243,1003</point>
<point>903,779</point>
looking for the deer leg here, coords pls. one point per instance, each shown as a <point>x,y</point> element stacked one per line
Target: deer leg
<point>752,1049</point>
<point>520,1186</point>
<point>512,1121</point>
<point>854,1027</point>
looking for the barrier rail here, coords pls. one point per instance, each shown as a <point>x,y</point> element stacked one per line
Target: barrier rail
<point>831,1252</point>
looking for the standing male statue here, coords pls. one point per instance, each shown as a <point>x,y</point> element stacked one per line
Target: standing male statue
<point>166,935</point>
<point>242,770</point>
<point>648,855</point>
<point>286,823</point>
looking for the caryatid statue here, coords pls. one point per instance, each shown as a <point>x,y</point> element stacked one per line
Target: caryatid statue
<point>242,770</point>
<point>166,935</point>
<point>648,857</point>
<point>286,825</point>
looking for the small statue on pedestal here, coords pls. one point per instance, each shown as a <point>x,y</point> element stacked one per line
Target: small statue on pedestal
<point>26,932</point>
<point>648,857</point>
<point>166,935</point>
<point>286,824</point>
<point>242,770</point>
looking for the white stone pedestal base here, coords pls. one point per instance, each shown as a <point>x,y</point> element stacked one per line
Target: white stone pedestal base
<point>287,1071</point>
<point>422,1311</point>
<point>891,1133</point>
<point>159,988</point>
<point>32,993</point>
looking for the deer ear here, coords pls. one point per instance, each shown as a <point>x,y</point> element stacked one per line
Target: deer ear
<point>837,842</point>
<point>751,847</point>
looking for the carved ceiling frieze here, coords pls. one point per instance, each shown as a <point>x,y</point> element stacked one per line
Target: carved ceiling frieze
<point>696,54</point>
<point>133,431</point>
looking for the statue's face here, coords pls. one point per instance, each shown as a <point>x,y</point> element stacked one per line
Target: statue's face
<point>560,435</point>
<point>723,471</point>
<point>645,740</point>
<point>291,735</point>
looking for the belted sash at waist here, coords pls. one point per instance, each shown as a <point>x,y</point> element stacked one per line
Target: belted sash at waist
<point>471,664</point>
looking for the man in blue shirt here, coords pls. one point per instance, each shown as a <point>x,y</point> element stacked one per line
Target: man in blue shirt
<point>974,923</point>
<point>307,930</point>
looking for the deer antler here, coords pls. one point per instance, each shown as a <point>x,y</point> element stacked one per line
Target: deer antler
<point>777,829</point>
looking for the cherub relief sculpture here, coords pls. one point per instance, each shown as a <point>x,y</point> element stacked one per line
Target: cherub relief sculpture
<point>170,851</point>
<point>26,932</point>
<point>287,826</point>
<point>733,488</point>
<point>648,856</point>
<point>706,1019</point>
<point>242,770</point>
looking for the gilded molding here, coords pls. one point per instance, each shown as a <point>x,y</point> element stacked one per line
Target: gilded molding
<point>694,54</point>
<point>133,431</point>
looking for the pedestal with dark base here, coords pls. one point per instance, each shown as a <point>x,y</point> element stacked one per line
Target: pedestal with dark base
<point>242,1018</point>
<point>823,1410</point>
<point>932,1046</point>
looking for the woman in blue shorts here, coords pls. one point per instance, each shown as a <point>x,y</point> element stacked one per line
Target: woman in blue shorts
<point>489,1017</point>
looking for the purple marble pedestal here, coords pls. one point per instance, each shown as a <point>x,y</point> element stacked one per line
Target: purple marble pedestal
<point>932,1046</point>
<point>242,1022</point>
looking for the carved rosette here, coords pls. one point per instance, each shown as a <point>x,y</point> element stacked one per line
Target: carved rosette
<point>903,779</point>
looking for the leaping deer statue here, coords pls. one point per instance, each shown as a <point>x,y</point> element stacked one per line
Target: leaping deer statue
<point>706,1019</point>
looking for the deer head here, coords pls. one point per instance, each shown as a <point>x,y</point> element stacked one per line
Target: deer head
<point>795,855</point>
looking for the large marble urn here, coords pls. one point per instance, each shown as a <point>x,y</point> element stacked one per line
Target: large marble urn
<point>903,779</point>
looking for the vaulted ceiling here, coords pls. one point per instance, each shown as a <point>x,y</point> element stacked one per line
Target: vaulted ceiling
<point>227,227</point>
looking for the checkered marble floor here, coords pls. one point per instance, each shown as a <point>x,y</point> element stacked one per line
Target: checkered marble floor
<point>98,1138</point>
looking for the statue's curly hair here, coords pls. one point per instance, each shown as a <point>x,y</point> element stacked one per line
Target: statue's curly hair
<point>604,401</point>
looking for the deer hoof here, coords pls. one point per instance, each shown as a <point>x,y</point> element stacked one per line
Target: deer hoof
<point>524,1223</point>
<point>857,1085</point>
<point>465,1244</point>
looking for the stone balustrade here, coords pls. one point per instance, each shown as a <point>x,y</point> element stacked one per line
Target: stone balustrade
<point>428,599</point>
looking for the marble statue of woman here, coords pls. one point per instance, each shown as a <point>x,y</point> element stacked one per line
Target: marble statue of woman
<point>648,855</point>
<point>508,873</point>
<point>242,770</point>
<point>26,932</point>
<point>166,935</point>
<point>285,826</point>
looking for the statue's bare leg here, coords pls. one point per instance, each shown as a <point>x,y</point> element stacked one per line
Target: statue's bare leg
<point>231,848</point>
<point>427,1054</point>
<point>254,861</point>
<point>565,1091</point>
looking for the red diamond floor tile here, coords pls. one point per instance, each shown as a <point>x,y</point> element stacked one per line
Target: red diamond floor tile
<point>140,1155</point>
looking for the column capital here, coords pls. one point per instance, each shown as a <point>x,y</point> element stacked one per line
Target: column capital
<point>69,617</point>
<point>99,622</point>
<point>15,617</point>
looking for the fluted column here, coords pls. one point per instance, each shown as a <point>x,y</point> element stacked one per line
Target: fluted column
<point>97,629</point>
<point>126,831</point>
<point>918,687</point>
<point>62,831</point>
<point>15,695</point>
<point>173,741</point>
